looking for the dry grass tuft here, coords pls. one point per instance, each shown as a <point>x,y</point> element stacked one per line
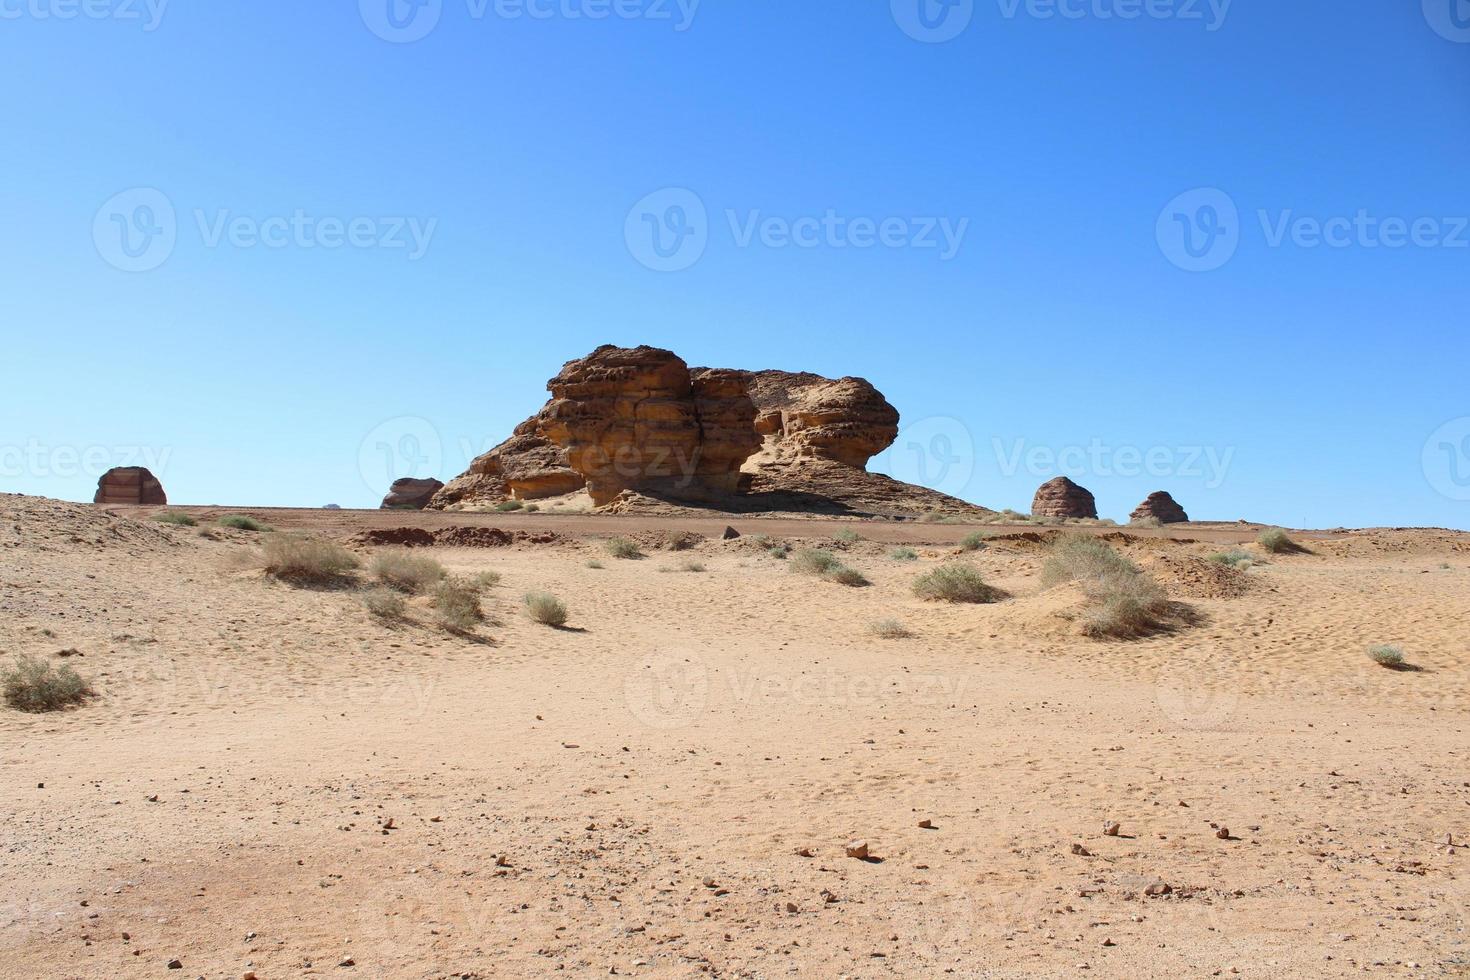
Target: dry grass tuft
<point>956,582</point>
<point>306,560</point>
<point>405,571</point>
<point>241,522</point>
<point>973,542</point>
<point>457,605</point>
<point>546,609</point>
<point>33,685</point>
<point>1278,542</point>
<point>850,577</point>
<point>814,561</point>
<point>847,536</point>
<point>624,549</point>
<point>889,629</point>
<point>507,506</point>
<point>385,603</point>
<point>1124,603</point>
<point>484,581</point>
<point>176,518</point>
<point>904,554</point>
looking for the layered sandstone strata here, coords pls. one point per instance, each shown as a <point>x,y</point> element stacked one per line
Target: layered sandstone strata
<point>1063,498</point>
<point>130,485</point>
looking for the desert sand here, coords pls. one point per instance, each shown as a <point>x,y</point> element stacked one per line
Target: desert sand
<point>272,782</point>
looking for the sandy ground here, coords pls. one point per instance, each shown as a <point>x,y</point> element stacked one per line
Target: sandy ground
<point>273,782</point>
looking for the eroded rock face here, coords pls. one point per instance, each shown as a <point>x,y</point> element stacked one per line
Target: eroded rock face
<point>634,426</point>
<point>1063,498</point>
<point>130,485</point>
<point>1162,507</point>
<point>411,494</point>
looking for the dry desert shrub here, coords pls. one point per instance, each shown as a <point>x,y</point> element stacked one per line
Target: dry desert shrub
<point>34,685</point>
<point>1234,558</point>
<point>175,518</point>
<point>1124,603</point>
<point>546,609</point>
<point>1278,542</point>
<point>956,582</point>
<point>595,564</point>
<point>457,605</point>
<point>405,571</point>
<point>1388,656</point>
<point>814,561</point>
<point>1146,522</point>
<point>485,580</point>
<point>780,552</point>
<point>904,554</point>
<point>847,536</point>
<point>506,506</point>
<point>385,603</point>
<point>624,549</point>
<point>240,522</point>
<point>850,577</point>
<point>306,560</point>
<point>691,565</point>
<point>973,542</point>
<point>889,629</point>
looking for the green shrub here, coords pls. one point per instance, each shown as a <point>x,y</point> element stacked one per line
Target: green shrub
<point>241,522</point>
<point>814,561</point>
<point>546,609</point>
<point>1278,542</point>
<point>1388,656</point>
<point>532,508</point>
<point>506,506</point>
<point>34,685</point>
<point>973,542</point>
<point>904,554</point>
<point>385,603</point>
<point>176,518</point>
<point>457,605</point>
<point>302,559</point>
<point>956,582</point>
<point>851,577</point>
<point>405,571</point>
<point>780,552</point>
<point>889,629</point>
<point>624,549</point>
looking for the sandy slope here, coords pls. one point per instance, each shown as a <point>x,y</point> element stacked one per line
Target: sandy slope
<point>707,726</point>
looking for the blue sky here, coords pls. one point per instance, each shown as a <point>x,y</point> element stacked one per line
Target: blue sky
<point>1215,248</point>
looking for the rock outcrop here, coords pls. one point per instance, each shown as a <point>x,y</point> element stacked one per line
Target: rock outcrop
<point>411,494</point>
<point>1162,507</point>
<point>130,485</point>
<point>1063,498</point>
<point>635,427</point>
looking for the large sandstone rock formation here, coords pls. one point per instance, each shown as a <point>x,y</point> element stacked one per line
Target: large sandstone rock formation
<point>1161,507</point>
<point>630,425</point>
<point>1063,498</point>
<point>130,485</point>
<point>411,494</point>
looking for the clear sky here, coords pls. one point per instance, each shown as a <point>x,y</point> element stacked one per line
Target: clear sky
<point>284,251</point>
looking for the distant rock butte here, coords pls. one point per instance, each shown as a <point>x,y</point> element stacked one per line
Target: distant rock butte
<point>637,427</point>
<point>130,485</point>
<point>411,494</point>
<point>1063,498</point>
<point>1162,506</point>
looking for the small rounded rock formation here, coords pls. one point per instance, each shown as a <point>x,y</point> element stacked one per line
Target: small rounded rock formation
<point>1162,507</point>
<point>130,485</point>
<point>411,494</point>
<point>1065,499</point>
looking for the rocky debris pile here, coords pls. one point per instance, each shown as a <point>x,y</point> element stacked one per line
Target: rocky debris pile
<point>636,428</point>
<point>1160,506</point>
<point>130,485</point>
<point>451,537</point>
<point>1065,499</point>
<point>411,494</point>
